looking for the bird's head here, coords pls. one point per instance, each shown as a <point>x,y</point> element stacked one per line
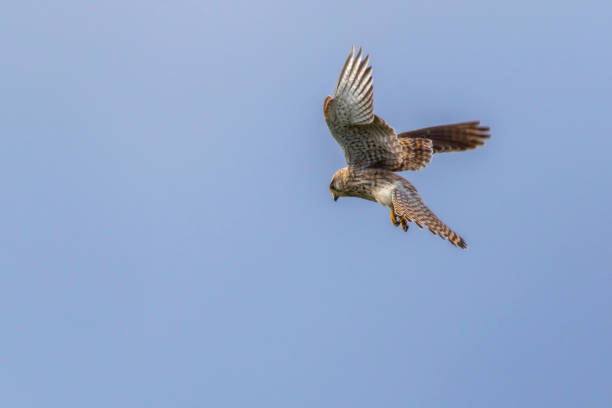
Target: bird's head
<point>338,183</point>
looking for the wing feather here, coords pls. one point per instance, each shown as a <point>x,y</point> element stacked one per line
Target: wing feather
<point>407,203</point>
<point>366,139</point>
<point>456,137</point>
<point>352,103</point>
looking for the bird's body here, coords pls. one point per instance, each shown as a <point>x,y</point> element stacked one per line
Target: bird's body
<point>374,151</point>
<point>369,184</point>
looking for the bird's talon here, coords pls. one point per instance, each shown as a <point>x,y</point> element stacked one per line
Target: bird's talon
<point>394,218</point>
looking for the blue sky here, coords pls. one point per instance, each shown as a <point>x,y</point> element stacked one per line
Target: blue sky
<point>168,237</point>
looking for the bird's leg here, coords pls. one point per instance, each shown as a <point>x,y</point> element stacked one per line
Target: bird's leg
<point>404,224</point>
<point>394,217</point>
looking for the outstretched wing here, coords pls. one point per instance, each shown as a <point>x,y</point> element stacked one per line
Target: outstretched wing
<point>408,204</point>
<point>353,102</point>
<point>366,139</point>
<point>451,138</point>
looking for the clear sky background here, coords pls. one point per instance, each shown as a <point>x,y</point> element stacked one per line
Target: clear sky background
<point>168,237</point>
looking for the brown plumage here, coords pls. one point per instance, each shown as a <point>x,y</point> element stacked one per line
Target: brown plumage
<point>373,150</point>
<point>450,138</point>
<point>417,153</point>
<point>408,204</point>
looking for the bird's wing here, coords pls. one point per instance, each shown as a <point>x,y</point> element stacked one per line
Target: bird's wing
<point>450,138</point>
<point>353,98</point>
<point>408,204</point>
<point>366,139</point>
<point>376,146</point>
<point>416,153</point>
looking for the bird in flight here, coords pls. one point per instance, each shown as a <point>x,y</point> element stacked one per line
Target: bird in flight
<point>374,152</point>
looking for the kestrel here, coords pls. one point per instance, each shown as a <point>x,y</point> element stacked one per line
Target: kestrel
<point>374,151</point>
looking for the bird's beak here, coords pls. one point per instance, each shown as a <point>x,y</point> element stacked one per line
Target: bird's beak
<point>335,197</point>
